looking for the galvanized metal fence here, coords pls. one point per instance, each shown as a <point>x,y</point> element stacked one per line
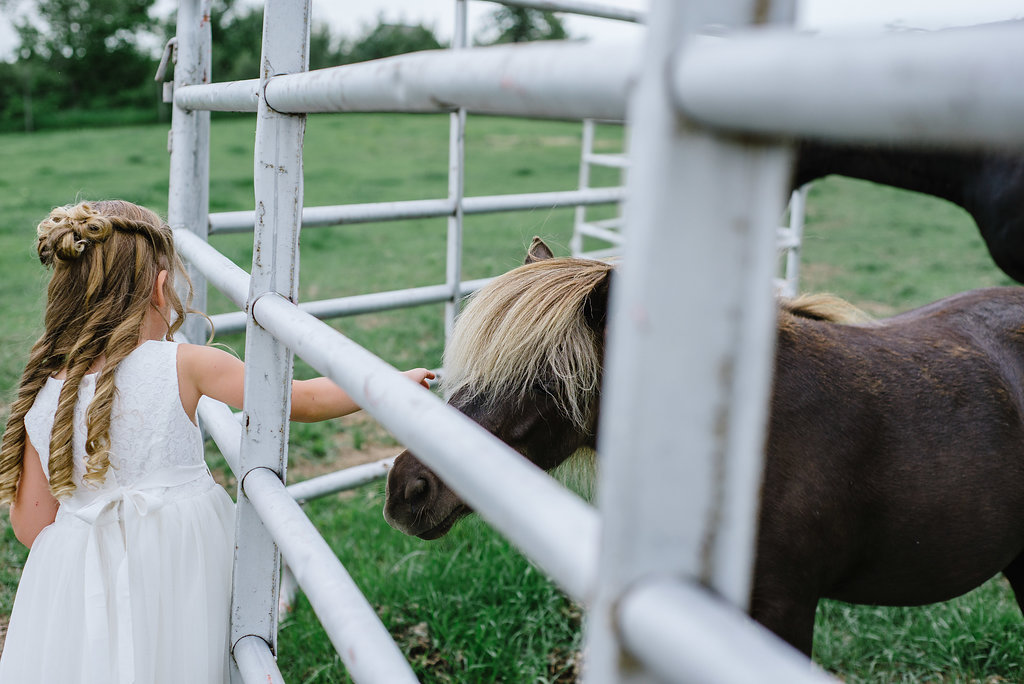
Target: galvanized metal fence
<point>680,443</point>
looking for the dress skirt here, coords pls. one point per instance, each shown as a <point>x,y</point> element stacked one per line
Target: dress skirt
<point>132,588</point>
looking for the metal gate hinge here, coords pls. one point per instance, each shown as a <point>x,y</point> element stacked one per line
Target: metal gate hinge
<point>169,54</point>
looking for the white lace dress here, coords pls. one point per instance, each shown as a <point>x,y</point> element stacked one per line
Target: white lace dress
<point>131,583</point>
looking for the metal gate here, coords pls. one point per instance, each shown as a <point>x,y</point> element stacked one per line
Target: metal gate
<point>680,467</point>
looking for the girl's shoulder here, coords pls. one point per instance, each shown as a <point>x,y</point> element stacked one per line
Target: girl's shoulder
<point>200,357</point>
<point>209,371</point>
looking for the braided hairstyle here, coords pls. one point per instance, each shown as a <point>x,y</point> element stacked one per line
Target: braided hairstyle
<point>105,257</point>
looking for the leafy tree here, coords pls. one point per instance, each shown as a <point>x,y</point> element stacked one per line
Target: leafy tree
<point>77,55</point>
<point>385,40</point>
<point>519,25</point>
<point>94,45</point>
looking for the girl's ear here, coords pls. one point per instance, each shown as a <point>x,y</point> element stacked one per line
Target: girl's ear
<point>159,298</point>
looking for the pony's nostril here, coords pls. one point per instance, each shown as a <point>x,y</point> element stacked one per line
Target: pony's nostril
<point>416,489</point>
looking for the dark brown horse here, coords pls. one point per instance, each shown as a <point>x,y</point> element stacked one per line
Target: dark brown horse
<point>988,185</point>
<point>895,454</point>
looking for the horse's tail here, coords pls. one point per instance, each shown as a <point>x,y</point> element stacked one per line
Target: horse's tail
<point>827,308</point>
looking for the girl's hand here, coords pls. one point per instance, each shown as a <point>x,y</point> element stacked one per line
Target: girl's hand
<point>420,376</point>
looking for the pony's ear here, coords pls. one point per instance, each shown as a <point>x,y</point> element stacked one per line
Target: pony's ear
<point>595,306</point>
<point>538,251</point>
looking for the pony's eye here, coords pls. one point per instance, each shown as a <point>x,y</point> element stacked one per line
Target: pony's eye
<point>544,387</point>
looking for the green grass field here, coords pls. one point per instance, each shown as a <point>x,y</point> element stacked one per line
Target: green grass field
<point>469,608</point>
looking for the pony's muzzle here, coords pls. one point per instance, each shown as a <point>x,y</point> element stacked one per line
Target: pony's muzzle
<point>417,502</point>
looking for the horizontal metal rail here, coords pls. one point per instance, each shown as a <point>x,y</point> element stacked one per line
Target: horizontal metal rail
<point>591,82</point>
<point>363,643</point>
<point>588,9</point>
<point>220,271</point>
<point>685,634</point>
<point>595,231</point>
<point>343,214</point>
<point>359,304</point>
<point>222,426</point>
<point>255,662</point>
<point>340,480</point>
<point>948,88</point>
<point>553,526</point>
<point>612,161</point>
<point>228,96</point>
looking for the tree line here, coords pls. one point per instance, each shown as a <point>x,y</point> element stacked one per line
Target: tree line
<point>92,62</point>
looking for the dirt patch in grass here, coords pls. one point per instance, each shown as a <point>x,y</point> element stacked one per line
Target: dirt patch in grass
<point>345,458</point>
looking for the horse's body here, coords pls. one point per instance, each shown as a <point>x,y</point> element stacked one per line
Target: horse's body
<point>895,455</point>
<point>988,185</point>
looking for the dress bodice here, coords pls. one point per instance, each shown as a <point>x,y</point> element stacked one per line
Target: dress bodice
<point>149,430</point>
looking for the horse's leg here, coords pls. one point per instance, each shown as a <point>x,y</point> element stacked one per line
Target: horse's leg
<point>1015,573</point>
<point>789,614</point>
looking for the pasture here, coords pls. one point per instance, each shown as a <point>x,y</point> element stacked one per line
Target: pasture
<point>469,608</point>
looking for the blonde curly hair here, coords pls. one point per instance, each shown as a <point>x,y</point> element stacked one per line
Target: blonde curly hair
<point>105,257</point>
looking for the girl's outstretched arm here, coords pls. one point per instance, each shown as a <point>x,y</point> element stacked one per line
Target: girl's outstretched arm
<point>34,507</point>
<point>212,372</point>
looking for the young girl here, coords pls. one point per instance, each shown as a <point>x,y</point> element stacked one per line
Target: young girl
<point>128,578</point>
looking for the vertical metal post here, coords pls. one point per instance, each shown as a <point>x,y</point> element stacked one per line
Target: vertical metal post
<point>797,210</point>
<point>275,272</point>
<point>580,216</point>
<point>456,187</point>
<point>189,146</point>
<point>690,345</point>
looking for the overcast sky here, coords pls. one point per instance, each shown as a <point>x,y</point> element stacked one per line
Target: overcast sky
<point>350,17</point>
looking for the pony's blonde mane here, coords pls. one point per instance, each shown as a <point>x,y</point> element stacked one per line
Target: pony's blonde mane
<point>827,308</point>
<point>527,329</point>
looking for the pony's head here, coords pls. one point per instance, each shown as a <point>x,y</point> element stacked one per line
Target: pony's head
<point>524,361</point>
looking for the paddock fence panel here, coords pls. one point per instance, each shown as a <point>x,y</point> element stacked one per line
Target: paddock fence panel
<point>677,500</point>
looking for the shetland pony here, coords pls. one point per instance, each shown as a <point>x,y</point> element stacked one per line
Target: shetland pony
<point>894,472</point>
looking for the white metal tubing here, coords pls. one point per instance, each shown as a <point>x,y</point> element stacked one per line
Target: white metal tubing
<point>797,211</point>
<point>589,9</point>
<point>189,143</point>
<point>553,526</point>
<point>222,426</point>
<point>681,442</point>
<point>614,161</point>
<point>583,181</point>
<point>590,82</point>
<point>255,662</point>
<point>686,635</point>
<point>949,88</point>
<point>456,189</point>
<point>340,480</point>
<point>360,304</point>
<point>517,80</point>
<point>218,270</point>
<point>230,96</point>
<point>363,643</point>
<point>595,231</point>
<point>343,214</point>
<point>277,180</point>
<point>242,221</point>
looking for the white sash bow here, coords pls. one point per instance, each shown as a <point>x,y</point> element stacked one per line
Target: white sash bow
<point>114,518</point>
